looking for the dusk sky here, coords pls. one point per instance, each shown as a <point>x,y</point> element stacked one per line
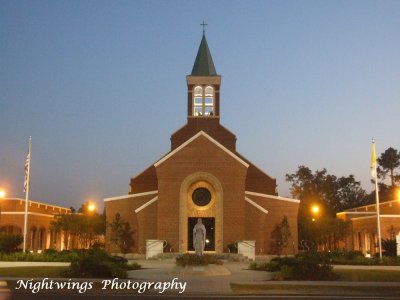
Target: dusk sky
<point>101,85</point>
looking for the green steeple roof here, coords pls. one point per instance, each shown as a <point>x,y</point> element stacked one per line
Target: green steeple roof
<point>203,65</point>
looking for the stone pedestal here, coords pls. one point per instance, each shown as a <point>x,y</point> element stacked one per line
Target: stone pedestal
<point>153,248</point>
<point>248,249</point>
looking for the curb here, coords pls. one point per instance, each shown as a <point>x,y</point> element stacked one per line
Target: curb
<point>5,292</point>
<point>323,283</point>
<point>343,288</point>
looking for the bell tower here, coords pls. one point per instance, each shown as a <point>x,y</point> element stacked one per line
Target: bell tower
<point>203,85</point>
<point>203,102</point>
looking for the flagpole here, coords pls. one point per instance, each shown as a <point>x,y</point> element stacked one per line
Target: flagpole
<point>27,193</point>
<point>378,218</point>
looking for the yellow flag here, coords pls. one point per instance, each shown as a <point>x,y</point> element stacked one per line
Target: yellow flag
<point>373,160</point>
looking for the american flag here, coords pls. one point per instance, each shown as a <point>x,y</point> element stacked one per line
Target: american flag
<point>27,163</point>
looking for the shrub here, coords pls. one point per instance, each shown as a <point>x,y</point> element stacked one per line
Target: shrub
<point>96,263</point>
<point>134,266</point>
<point>188,259</point>
<point>232,248</point>
<point>271,266</point>
<point>389,247</point>
<point>253,266</point>
<point>50,252</point>
<point>288,261</point>
<point>49,255</point>
<point>343,257</point>
<point>121,233</point>
<point>10,242</point>
<point>280,236</point>
<point>353,254</point>
<point>284,273</point>
<point>98,245</point>
<point>306,266</point>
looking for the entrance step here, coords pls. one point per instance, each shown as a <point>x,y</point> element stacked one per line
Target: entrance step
<point>131,256</point>
<point>173,255</point>
<point>223,256</point>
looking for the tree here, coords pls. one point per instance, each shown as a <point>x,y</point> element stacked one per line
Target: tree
<point>389,247</point>
<point>388,162</point>
<point>280,236</point>
<point>121,233</point>
<point>348,194</point>
<point>386,193</point>
<point>331,194</point>
<point>10,242</point>
<point>80,228</point>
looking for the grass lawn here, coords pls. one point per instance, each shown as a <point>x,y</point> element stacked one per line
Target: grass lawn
<point>368,275</point>
<point>32,272</point>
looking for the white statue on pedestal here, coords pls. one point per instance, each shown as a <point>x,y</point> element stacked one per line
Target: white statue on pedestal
<point>199,237</point>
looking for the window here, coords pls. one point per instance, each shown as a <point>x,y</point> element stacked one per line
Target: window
<point>198,101</point>
<point>203,103</point>
<point>201,196</point>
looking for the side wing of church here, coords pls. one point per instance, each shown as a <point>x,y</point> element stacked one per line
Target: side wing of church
<point>203,176</point>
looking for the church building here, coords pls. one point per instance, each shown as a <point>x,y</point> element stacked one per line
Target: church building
<point>203,176</point>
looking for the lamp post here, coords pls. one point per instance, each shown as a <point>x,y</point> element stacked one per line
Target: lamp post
<point>91,210</point>
<point>2,196</point>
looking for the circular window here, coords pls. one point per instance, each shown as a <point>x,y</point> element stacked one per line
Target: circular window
<point>201,196</point>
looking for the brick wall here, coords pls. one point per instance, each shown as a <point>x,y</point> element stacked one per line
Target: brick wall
<point>277,209</point>
<point>142,223</point>
<point>201,155</point>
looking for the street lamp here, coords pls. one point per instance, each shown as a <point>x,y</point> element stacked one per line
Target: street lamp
<point>91,207</point>
<point>314,212</point>
<point>315,209</point>
<point>2,196</point>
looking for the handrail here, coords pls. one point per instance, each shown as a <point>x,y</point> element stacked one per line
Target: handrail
<point>154,243</point>
<point>250,245</point>
<point>165,244</point>
<point>304,245</point>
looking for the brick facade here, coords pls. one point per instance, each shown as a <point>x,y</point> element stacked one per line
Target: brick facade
<point>40,236</point>
<point>243,201</point>
<point>203,162</point>
<point>363,220</point>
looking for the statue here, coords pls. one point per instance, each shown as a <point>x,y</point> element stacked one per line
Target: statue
<point>199,237</point>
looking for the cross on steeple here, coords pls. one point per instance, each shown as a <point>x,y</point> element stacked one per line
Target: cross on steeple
<point>204,26</point>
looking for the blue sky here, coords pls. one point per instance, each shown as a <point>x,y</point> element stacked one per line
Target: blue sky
<point>100,86</point>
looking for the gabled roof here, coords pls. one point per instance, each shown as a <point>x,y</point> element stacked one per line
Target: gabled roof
<point>201,133</point>
<point>272,197</point>
<point>203,65</point>
<point>130,196</point>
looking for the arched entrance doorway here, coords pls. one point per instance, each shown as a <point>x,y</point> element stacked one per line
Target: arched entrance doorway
<point>201,196</point>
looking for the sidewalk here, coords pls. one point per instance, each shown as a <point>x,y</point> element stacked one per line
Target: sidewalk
<point>359,267</point>
<point>243,281</point>
<point>234,278</point>
<point>13,264</point>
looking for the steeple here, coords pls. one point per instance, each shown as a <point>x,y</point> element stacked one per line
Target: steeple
<point>203,85</point>
<point>203,65</point>
<point>203,102</point>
